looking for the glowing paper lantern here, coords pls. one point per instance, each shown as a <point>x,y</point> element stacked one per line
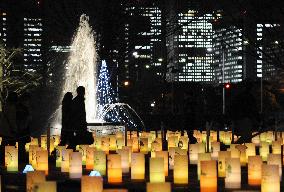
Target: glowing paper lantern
<point>112,143</point>
<point>264,150</point>
<point>221,162</point>
<point>275,159</point>
<point>255,139</point>
<point>270,137</point>
<point>124,153</point>
<point>227,138</point>
<point>181,169</point>
<point>33,178</point>
<point>32,154</point>
<point>233,173</point>
<point>208,177</point>
<point>115,190</point>
<point>165,155</point>
<point>254,170</point>
<point>143,145</point>
<point>43,142</point>
<point>58,153</point>
<point>270,178</point>
<point>97,143</point>
<point>137,166</point>
<point>75,165</point>
<point>243,157</point>
<point>172,141</point>
<point>156,187</point>
<point>193,153</point>
<point>56,140</point>
<point>42,161</point>
<point>120,143</point>
<point>105,144</point>
<point>90,158</point>
<point>114,171</point>
<point>135,144</point>
<point>183,143</point>
<point>91,184</point>
<point>46,186</point>
<point>82,149</point>
<point>276,147</point>
<point>215,148</point>
<point>11,158</point>
<point>157,173</point>
<point>65,160</point>
<point>250,150</point>
<point>100,162</point>
<point>202,157</point>
<point>129,143</point>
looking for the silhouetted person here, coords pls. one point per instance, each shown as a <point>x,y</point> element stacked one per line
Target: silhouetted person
<point>66,130</point>
<point>8,130</point>
<point>192,139</point>
<point>23,120</point>
<point>79,123</point>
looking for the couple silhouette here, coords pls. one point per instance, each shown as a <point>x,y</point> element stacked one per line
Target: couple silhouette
<point>74,124</point>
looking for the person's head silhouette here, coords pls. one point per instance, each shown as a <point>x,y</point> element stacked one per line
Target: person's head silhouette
<point>81,91</point>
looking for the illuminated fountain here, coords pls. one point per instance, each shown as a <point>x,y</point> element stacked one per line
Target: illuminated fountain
<point>81,70</point>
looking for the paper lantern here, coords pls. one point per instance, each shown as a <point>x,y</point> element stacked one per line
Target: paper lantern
<point>112,143</point>
<point>56,140</point>
<point>227,138</point>
<point>46,186</point>
<point>43,142</point>
<point>208,177</point>
<point>137,166</point>
<point>34,177</point>
<point>214,136</point>
<point>120,143</point>
<point>90,158</point>
<point>134,134</point>
<point>243,156</point>
<point>270,137</point>
<point>114,170</point>
<point>276,147</point>
<point>264,150</point>
<point>65,160</point>
<point>42,161</point>
<point>215,148</point>
<point>82,149</point>
<point>11,158</point>
<point>235,153</point>
<point>233,173</point>
<point>125,164</point>
<point>250,150</point>
<point>172,141</point>
<point>97,143</point>
<point>275,159</point>
<point>32,154</point>
<point>129,143</point>
<point>270,178</point>
<point>159,187</point>
<point>135,144</point>
<point>119,134</point>
<point>91,184</point>
<point>75,165</point>
<point>58,153</point>
<point>193,153</point>
<point>181,169</point>
<point>221,162</point>
<point>100,162</point>
<point>165,155</point>
<point>254,170</point>
<point>255,139</point>
<point>183,143</point>
<point>143,145</point>
<point>115,190</point>
<point>105,144</point>
<point>157,173</point>
<point>202,157</point>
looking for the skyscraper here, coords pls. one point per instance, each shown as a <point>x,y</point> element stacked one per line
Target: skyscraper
<point>3,27</point>
<point>33,38</point>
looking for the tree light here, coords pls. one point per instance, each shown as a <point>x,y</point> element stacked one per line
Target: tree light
<point>227,85</point>
<point>126,83</point>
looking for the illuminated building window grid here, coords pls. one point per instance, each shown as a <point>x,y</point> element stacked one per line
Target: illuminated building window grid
<point>32,43</point>
<point>233,68</point>
<point>196,33</point>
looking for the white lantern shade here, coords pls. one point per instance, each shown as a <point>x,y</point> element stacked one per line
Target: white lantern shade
<point>75,165</point>
<point>157,187</point>
<point>11,158</point>
<point>181,169</point>
<point>100,162</point>
<point>114,170</point>
<point>270,178</point>
<point>157,173</point>
<point>208,177</point>
<point>91,184</point>
<point>233,173</point>
<point>254,170</point>
<point>137,166</point>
